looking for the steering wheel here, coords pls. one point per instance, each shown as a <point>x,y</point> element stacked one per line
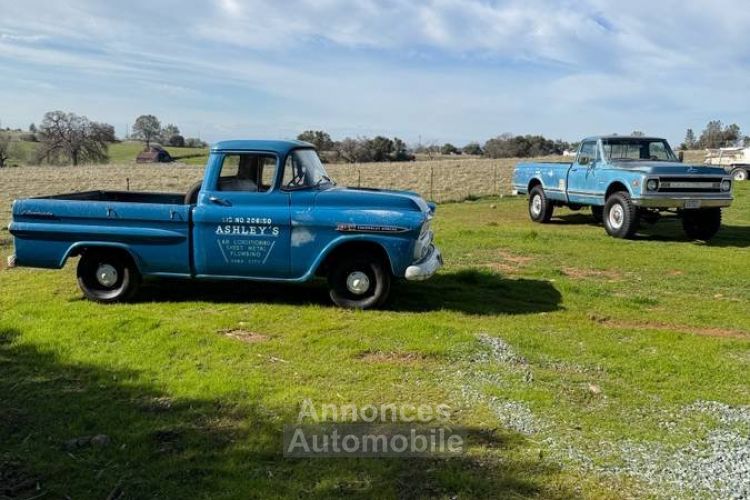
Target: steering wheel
<point>191,197</point>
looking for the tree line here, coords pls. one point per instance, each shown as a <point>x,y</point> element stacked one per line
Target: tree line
<point>715,135</point>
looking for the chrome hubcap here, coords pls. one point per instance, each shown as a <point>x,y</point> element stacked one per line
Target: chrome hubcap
<point>616,217</point>
<point>106,275</point>
<point>740,175</point>
<point>358,283</point>
<point>536,205</point>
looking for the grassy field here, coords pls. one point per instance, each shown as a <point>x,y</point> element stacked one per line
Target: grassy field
<point>582,366</point>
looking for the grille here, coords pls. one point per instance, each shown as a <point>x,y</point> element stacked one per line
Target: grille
<point>690,185</point>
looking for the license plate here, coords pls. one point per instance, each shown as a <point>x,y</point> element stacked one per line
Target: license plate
<point>692,204</point>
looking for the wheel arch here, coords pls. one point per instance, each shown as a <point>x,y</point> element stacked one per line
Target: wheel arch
<point>534,182</point>
<point>616,187</point>
<point>352,246</point>
<point>80,248</point>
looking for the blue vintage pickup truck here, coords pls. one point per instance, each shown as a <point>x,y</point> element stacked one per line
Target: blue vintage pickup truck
<point>626,180</point>
<point>265,210</point>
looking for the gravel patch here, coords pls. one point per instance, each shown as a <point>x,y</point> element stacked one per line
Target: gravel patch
<point>498,350</point>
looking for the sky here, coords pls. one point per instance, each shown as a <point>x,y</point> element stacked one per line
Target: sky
<point>432,71</point>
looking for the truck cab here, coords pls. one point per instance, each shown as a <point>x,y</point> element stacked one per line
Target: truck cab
<point>264,211</point>
<point>627,180</point>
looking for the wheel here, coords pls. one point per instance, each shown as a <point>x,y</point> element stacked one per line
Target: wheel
<point>540,208</point>
<point>621,217</point>
<point>597,213</point>
<point>702,224</point>
<point>107,276</point>
<point>739,174</point>
<point>359,282</point>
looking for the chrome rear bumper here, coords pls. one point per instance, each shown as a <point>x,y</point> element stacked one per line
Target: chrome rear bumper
<point>425,268</point>
<point>11,261</point>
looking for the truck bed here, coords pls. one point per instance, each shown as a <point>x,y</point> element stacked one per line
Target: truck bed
<point>153,227</point>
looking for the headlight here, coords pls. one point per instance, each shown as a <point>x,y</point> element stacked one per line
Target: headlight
<point>652,185</point>
<point>726,185</point>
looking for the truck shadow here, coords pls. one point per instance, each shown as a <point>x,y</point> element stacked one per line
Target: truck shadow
<point>152,445</point>
<point>669,228</point>
<point>475,292</point>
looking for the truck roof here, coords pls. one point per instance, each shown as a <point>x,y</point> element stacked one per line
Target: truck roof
<point>276,146</point>
<point>605,137</point>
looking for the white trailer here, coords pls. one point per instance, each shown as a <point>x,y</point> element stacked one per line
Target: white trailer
<point>736,161</point>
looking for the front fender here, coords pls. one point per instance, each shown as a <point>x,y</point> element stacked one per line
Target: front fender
<point>398,250</point>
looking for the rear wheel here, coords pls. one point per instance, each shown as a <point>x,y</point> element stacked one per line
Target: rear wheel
<point>701,224</point>
<point>621,217</point>
<point>739,174</point>
<point>540,208</point>
<point>107,275</point>
<point>359,282</point>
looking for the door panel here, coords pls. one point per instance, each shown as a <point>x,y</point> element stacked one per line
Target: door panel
<point>583,175</point>
<point>242,234</point>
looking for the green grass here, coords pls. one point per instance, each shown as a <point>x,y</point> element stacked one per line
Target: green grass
<point>656,323</point>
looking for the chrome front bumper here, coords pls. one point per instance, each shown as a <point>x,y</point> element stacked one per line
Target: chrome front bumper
<point>11,261</point>
<point>425,268</point>
<point>681,202</point>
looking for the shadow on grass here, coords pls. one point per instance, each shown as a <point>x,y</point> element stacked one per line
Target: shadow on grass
<point>165,448</point>
<point>468,291</point>
<point>669,228</point>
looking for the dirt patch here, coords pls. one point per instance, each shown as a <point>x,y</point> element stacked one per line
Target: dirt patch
<point>509,263</point>
<point>655,325</point>
<point>392,357</point>
<point>245,336</point>
<point>580,274</point>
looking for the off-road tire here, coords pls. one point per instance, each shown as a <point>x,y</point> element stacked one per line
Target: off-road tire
<point>540,208</point>
<point>378,276</point>
<point>701,224</point>
<point>125,280</point>
<point>621,217</point>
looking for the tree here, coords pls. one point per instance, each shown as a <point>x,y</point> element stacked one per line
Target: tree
<point>473,148</point>
<point>176,141</point>
<point>5,148</point>
<point>508,146</point>
<point>193,142</point>
<point>637,133</point>
<point>67,137</point>
<point>318,138</point>
<point>715,135</point>
<point>168,132</point>
<point>449,149</point>
<point>146,129</point>
<point>689,142</point>
<point>32,128</point>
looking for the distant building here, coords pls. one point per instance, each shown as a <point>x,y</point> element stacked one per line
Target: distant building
<point>154,154</point>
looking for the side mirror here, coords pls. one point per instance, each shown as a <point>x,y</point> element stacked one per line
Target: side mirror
<point>584,160</point>
<point>681,156</point>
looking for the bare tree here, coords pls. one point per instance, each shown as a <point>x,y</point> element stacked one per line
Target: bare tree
<point>5,148</point>
<point>147,128</point>
<point>69,138</point>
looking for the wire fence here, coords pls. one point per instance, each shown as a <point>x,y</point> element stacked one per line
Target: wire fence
<point>439,180</point>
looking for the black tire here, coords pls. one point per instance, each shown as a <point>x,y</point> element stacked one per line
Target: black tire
<point>621,217</point>
<point>343,277</point>
<point>540,208</point>
<point>597,213</point>
<point>106,275</point>
<point>701,224</point>
<point>739,174</point>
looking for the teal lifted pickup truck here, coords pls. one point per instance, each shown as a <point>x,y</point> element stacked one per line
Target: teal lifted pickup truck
<point>626,180</point>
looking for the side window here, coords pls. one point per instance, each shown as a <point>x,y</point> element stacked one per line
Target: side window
<point>588,150</point>
<point>658,151</point>
<point>247,172</point>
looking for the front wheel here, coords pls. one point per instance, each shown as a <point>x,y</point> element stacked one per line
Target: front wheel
<point>540,208</point>
<point>359,282</point>
<point>621,217</point>
<point>739,174</point>
<point>702,224</point>
<point>107,276</point>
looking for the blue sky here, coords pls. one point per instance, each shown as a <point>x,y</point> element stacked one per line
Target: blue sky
<point>439,70</point>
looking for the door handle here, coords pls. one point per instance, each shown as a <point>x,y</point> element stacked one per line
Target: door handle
<point>219,201</point>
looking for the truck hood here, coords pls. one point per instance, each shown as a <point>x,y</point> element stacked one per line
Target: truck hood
<point>373,199</point>
<point>668,168</point>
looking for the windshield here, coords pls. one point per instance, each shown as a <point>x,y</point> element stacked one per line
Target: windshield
<point>637,149</point>
<point>303,169</point>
